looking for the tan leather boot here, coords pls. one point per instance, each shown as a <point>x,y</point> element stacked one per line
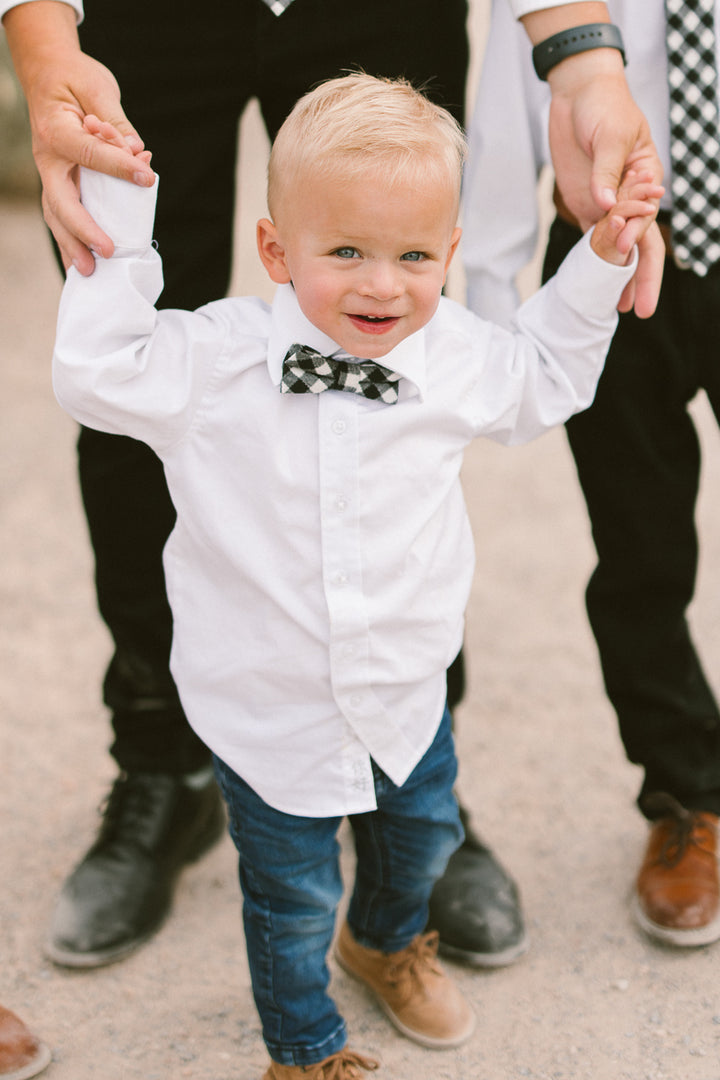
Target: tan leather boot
<point>412,988</point>
<point>345,1065</point>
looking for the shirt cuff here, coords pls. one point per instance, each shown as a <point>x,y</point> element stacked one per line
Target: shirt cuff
<point>590,284</point>
<point>125,211</point>
<point>524,7</point>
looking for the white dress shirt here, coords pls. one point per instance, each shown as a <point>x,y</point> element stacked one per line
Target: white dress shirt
<point>509,147</point>
<point>322,559</point>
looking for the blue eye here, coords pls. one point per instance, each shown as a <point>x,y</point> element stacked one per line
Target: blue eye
<point>345,253</point>
<point>413,256</point>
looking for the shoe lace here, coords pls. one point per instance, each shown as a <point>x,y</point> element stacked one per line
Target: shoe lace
<point>685,827</point>
<point>132,812</point>
<point>345,1065</point>
<point>416,960</point>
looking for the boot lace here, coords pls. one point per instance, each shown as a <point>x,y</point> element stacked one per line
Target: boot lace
<point>345,1065</point>
<point>686,828</point>
<point>414,962</point>
<point>134,811</point>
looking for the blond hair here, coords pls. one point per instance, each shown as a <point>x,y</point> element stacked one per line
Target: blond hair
<point>358,124</point>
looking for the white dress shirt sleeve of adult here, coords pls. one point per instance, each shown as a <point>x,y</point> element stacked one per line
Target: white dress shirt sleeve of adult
<point>508,148</point>
<point>5,5</point>
<point>550,367</point>
<point>523,7</point>
<point>119,365</point>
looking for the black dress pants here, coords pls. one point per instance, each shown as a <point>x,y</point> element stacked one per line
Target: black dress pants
<point>186,72</point>
<point>638,460</point>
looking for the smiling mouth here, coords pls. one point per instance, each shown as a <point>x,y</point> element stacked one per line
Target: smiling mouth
<point>374,322</point>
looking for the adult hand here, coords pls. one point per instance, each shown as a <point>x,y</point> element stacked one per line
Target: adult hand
<point>62,85</point>
<point>597,134</point>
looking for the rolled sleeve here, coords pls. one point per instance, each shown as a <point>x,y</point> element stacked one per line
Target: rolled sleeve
<point>125,211</point>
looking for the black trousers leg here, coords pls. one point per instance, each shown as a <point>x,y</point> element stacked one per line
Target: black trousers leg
<point>184,84</point>
<point>638,460</point>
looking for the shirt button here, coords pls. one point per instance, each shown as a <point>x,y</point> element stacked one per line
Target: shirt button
<point>348,651</point>
<point>339,426</point>
<point>355,699</point>
<point>339,577</point>
<point>341,504</point>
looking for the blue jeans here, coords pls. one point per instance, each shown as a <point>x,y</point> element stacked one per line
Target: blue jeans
<point>290,880</point>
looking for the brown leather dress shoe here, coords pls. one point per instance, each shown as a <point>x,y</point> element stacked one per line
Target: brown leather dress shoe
<point>677,894</point>
<point>21,1054</point>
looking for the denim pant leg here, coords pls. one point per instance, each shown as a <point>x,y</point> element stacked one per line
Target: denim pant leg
<point>291,885</point>
<point>403,848</point>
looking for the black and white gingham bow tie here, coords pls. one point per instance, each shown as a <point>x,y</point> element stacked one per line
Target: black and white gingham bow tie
<point>694,132</point>
<point>306,371</point>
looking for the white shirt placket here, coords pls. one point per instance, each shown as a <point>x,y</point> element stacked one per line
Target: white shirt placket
<point>338,451</point>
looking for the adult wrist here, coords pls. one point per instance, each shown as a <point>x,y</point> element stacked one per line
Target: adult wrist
<point>38,34</point>
<point>578,39</point>
<point>9,5</point>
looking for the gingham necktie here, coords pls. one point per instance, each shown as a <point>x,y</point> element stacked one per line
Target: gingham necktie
<point>306,371</point>
<point>694,133</point>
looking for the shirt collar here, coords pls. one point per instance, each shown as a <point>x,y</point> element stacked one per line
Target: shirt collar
<point>289,326</point>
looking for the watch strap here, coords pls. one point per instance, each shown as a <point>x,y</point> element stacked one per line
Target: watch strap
<point>552,50</point>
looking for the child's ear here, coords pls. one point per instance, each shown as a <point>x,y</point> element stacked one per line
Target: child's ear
<point>454,241</point>
<point>271,252</point>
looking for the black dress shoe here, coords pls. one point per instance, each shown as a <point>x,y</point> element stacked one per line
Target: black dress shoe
<point>118,896</point>
<point>475,907</point>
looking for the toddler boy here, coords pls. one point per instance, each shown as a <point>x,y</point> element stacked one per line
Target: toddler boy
<point>322,558</point>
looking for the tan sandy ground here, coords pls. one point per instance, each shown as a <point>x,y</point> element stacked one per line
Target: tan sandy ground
<point>541,768</point>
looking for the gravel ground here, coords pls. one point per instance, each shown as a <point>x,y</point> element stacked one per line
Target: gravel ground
<point>541,769</point>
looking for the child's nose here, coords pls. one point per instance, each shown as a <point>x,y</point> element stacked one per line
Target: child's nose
<point>381,281</point>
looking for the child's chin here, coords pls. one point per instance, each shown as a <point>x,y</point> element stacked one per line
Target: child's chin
<point>370,353</point>
<point>370,346</point>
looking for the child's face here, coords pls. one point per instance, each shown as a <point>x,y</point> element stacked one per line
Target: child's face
<point>367,260</point>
